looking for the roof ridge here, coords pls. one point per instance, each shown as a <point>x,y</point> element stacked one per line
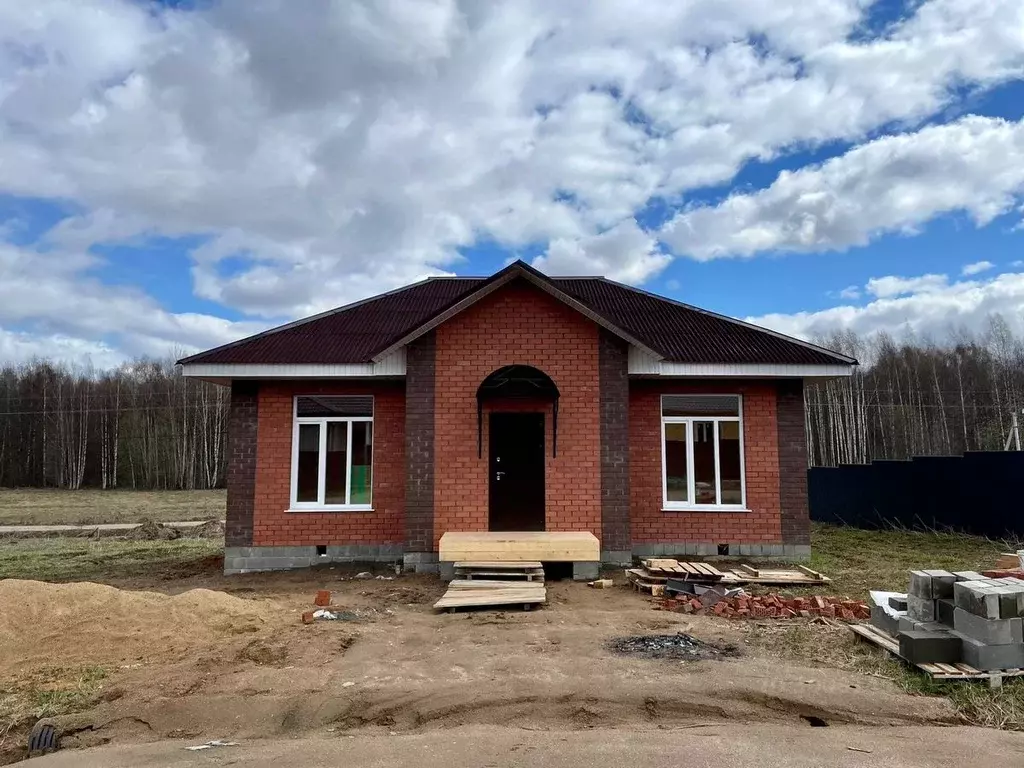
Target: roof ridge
<point>734,320</point>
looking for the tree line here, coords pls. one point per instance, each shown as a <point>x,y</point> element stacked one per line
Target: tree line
<point>142,425</point>
<point>145,426</point>
<point>918,397</point>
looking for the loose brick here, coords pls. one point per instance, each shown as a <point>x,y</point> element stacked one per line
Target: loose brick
<point>323,597</point>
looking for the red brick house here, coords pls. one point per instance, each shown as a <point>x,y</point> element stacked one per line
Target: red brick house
<point>514,402</point>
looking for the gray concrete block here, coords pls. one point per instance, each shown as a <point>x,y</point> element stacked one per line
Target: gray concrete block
<point>410,559</point>
<point>968,576</point>
<point>624,558</point>
<point>775,550</point>
<point>796,551</point>
<point>920,608</point>
<point>942,584</point>
<point>920,647</point>
<point>944,611</point>
<point>898,603</point>
<point>706,550</point>
<point>585,570</point>
<point>977,597</point>
<point>989,631</point>
<point>991,657</point>
<point>920,585</point>
<point>883,621</point>
<point>446,570</point>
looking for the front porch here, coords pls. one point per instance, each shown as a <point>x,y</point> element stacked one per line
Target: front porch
<point>580,548</point>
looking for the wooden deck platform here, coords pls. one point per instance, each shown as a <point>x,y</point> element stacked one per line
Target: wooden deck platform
<point>517,547</point>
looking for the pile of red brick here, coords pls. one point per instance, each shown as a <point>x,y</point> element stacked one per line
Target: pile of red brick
<point>772,606</point>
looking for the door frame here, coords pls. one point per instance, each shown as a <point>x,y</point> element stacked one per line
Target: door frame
<point>541,416</point>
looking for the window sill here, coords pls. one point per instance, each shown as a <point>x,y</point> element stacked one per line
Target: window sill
<point>705,509</point>
<point>333,508</point>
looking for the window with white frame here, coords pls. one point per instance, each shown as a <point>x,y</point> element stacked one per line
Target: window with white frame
<point>332,452</point>
<point>702,452</point>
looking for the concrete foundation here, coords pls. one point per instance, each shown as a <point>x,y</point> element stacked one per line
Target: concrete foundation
<point>253,559</point>
<point>585,571</point>
<point>420,562</point>
<point>683,549</point>
<point>622,559</point>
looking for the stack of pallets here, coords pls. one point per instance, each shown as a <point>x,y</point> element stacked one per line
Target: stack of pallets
<point>655,572</point>
<point>479,584</point>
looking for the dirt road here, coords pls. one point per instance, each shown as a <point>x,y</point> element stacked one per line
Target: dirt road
<point>397,675</point>
<point>713,746</point>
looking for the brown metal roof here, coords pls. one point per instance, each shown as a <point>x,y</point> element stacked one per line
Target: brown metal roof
<point>358,332</point>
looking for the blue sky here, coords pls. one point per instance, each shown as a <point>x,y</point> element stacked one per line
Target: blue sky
<point>176,175</point>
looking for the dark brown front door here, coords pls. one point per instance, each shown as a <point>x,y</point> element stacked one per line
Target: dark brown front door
<point>517,472</point>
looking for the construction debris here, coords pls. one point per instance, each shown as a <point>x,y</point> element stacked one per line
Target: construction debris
<point>601,584</point>
<point>657,571</point>
<point>955,626</point>
<point>771,606</point>
<point>323,598</point>
<point>212,744</point>
<point>680,646</point>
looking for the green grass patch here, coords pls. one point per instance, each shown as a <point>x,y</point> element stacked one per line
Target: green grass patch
<point>105,559</point>
<point>858,560</point>
<point>89,506</point>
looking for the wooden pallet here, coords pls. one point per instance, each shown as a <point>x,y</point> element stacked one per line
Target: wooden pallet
<point>663,568</point>
<point>995,677</point>
<point>642,582</point>
<point>474,596</point>
<point>529,571</point>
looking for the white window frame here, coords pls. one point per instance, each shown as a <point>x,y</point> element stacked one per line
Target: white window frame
<point>323,421</point>
<point>691,489</point>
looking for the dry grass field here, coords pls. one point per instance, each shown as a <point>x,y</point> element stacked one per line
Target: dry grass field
<point>48,506</point>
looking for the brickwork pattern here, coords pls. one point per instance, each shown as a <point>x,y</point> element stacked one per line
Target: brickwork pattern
<point>275,525</point>
<point>796,520</point>
<point>241,469</point>
<point>614,384</point>
<point>761,461</point>
<point>517,325</point>
<point>419,444</point>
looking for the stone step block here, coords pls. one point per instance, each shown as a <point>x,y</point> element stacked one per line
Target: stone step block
<point>920,608</point>
<point>977,597</point>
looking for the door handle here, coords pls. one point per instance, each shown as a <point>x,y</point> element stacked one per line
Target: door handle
<point>498,475</point>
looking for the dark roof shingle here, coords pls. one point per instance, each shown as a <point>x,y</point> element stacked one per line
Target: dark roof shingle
<point>357,332</point>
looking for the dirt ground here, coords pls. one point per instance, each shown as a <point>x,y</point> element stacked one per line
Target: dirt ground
<point>252,670</point>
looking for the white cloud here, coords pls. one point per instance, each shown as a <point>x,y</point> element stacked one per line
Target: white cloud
<point>326,151</point>
<point>890,286</point>
<point>851,292</point>
<point>892,184</point>
<point>976,268</point>
<point>934,307</point>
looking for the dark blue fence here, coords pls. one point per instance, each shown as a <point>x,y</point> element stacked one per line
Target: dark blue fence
<point>980,493</point>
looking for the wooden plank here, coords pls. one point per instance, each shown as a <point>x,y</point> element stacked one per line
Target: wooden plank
<point>515,546</point>
<point>746,569</point>
<point>472,599</point>
<point>495,565</point>
<point>510,578</point>
<point>948,669</point>
<point>1007,561</point>
<point>876,636</point>
<point>493,584</point>
<point>637,574</point>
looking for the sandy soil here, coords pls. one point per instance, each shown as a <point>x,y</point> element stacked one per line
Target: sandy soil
<point>762,745</point>
<point>401,668</point>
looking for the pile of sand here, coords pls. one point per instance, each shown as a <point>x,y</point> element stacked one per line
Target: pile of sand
<point>83,622</point>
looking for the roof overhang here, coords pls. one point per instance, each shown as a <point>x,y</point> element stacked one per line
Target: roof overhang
<point>512,272</point>
<point>221,373</point>
<point>641,364</point>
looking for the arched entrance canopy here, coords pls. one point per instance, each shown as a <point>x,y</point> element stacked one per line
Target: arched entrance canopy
<point>517,382</point>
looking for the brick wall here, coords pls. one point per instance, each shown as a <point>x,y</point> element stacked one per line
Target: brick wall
<point>761,460</point>
<point>274,525</point>
<point>796,522</point>
<point>517,324</point>
<point>419,445</point>
<point>241,470</point>
<point>614,383</point>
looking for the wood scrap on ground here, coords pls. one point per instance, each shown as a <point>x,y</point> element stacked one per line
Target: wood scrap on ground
<point>601,584</point>
<point>658,570</point>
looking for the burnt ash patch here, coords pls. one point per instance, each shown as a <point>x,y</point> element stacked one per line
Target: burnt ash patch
<point>681,647</point>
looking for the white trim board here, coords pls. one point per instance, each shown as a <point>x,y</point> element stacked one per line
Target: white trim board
<point>392,365</point>
<point>641,364</point>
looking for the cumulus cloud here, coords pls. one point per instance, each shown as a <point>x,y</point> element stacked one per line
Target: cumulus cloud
<point>976,268</point>
<point>321,152</point>
<point>851,292</point>
<point>891,184</point>
<point>927,305</point>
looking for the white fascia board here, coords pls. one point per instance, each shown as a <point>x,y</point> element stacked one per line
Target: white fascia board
<point>392,365</point>
<point>750,370</point>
